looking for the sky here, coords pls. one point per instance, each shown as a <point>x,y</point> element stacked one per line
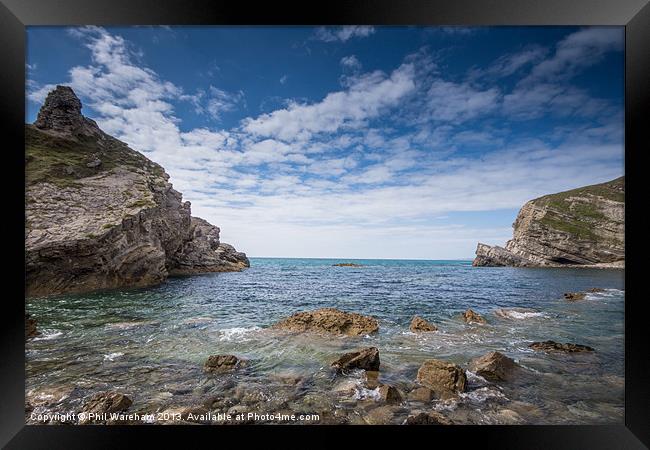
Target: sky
<point>355,141</point>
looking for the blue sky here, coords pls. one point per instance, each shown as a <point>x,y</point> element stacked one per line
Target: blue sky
<point>366,142</point>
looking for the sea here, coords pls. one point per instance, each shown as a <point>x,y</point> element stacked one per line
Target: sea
<point>151,343</point>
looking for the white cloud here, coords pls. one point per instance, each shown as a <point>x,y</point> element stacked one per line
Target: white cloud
<point>342,34</point>
<point>351,62</point>
<point>450,101</point>
<point>365,99</point>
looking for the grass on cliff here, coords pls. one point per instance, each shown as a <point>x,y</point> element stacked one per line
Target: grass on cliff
<point>62,161</point>
<point>578,218</point>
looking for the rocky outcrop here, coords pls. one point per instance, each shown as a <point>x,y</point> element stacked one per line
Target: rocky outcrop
<point>390,394</point>
<point>100,215</point>
<point>418,324</point>
<point>551,346</point>
<point>366,359</point>
<point>329,320</point>
<point>223,363</point>
<point>493,366</point>
<point>580,227</point>
<point>471,316</point>
<point>444,379</point>
<point>573,296</point>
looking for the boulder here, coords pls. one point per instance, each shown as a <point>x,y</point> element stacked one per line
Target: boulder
<point>418,324</point>
<point>574,296</point>
<point>372,379</point>
<point>222,363</point>
<point>551,346</point>
<point>470,316</point>
<point>443,378</point>
<point>366,359</point>
<point>427,418</point>
<point>329,320</point>
<point>421,394</point>
<point>382,415</point>
<point>105,403</point>
<point>493,366</point>
<point>389,394</point>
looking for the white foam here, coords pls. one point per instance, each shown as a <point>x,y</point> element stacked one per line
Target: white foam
<point>482,394</point>
<point>236,333</point>
<point>363,393</point>
<point>112,356</point>
<point>47,335</point>
<point>518,314</point>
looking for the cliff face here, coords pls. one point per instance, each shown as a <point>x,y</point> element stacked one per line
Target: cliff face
<point>101,215</point>
<point>584,226</point>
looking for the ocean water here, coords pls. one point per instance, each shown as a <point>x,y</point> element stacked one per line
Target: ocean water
<point>151,343</point>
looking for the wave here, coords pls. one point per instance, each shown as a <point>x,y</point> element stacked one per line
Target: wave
<point>112,356</point>
<point>605,293</point>
<point>47,335</point>
<point>518,313</point>
<point>236,333</point>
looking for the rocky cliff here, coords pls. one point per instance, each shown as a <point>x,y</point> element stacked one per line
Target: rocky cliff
<point>101,215</point>
<point>580,227</point>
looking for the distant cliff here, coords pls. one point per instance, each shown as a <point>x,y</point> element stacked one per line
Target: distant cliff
<point>580,227</point>
<point>101,215</point>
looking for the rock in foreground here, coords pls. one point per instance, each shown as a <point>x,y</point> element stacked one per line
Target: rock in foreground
<point>444,379</point>
<point>366,359</point>
<point>329,320</point>
<point>105,403</point>
<point>470,316</point>
<point>100,215</point>
<point>580,227</point>
<point>551,346</point>
<point>493,366</point>
<point>428,418</point>
<point>418,324</point>
<point>222,363</point>
<point>30,327</point>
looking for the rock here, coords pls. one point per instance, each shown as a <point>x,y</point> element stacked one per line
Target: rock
<point>100,215</point>
<point>493,366</point>
<point>382,415</point>
<point>421,394</point>
<point>389,394</point>
<point>366,359</point>
<point>105,403</point>
<point>418,324</point>
<point>595,290</point>
<point>508,417</point>
<point>470,316</point>
<point>372,379</point>
<point>30,327</point>
<point>94,163</point>
<point>347,265</point>
<point>222,363</point>
<point>580,227</point>
<point>329,320</point>
<point>443,378</point>
<point>428,418</point>
<point>551,346</point>
<point>574,296</point>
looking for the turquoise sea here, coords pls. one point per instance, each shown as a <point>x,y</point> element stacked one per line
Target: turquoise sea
<point>151,343</point>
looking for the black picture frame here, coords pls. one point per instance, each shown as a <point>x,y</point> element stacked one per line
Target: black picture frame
<point>15,15</point>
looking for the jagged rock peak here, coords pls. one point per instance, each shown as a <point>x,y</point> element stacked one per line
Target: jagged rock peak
<point>61,114</point>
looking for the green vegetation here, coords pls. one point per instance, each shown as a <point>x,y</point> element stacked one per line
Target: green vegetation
<point>142,203</point>
<point>107,226</point>
<point>63,161</point>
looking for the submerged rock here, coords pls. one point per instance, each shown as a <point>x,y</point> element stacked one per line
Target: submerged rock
<point>105,403</point>
<point>222,363</point>
<point>427,418</point>
<point>418,324</point>
<point>493,366</point>
<point>444,379</point>
<point>30,327</point>
<point>580,227</point>
<point>470,316</point>
<point>551,346</point>
<point>390,394</point>
<point>575,296</point>
<point>347,265</point>
<point>329,320</point>
<point>366,359</point>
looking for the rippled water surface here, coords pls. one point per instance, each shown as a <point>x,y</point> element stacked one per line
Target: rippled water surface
<point>151,343</point>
